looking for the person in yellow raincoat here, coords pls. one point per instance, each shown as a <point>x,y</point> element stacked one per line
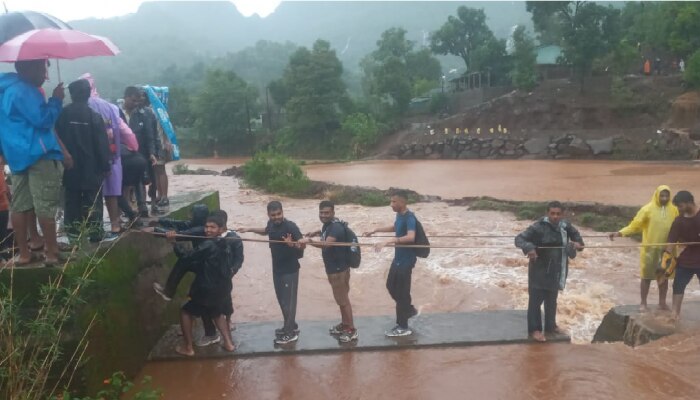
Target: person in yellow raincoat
<point>654,222</point>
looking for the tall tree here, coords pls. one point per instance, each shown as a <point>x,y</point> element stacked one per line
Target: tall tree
<point>394,70</point>
<point>315,95</point>
<point>223,107</point>
<point>462,35</point>
<point>587,30</point>
<point>523,74</point>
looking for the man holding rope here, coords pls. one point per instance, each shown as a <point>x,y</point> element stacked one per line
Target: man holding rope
<point>398,281</point>
<point>285,267</point>
<point>685,229</point>
<point>548,243</point>
<point>335,259</point>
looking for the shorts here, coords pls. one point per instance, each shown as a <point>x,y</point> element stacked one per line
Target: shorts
<point>199,310</point>
<point>340,283</point>
<point>38,188</point>
<point>683,278</point>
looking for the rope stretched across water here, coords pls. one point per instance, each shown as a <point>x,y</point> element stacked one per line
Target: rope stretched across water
<point>432,246</point>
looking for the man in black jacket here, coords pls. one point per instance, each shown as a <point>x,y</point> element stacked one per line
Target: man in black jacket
<point>83,133</point>
<point>214,263</point>
<point>548,243</point>
<point>141,124</point>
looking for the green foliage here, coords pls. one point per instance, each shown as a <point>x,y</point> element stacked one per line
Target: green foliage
<point>364,130</point>
<point>621,93</point>
<point>394,72</point>
<point>463,35</point>
<point>523,74</point>
<point>275,173</point>
<point>180,107</point>
<point>223,106</point>
<point>439,103</point>
<point>692,70</point>
<point>315,95</point>
<point>119,386</point>
<point>423,86</point>
<point>587,30</point>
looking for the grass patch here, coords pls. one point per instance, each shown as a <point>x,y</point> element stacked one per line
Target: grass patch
<point>275,173</point>
<point>600,218</point>
<point>184,169</point>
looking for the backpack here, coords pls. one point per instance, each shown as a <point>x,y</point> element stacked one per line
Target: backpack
<point>421,239</point>
<point>353,253</point>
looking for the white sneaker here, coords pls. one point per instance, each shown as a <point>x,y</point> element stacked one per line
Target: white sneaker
<point>161,291</point>
<point>205,341</point>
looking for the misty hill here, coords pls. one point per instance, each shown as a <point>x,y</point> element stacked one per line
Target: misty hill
<point>163,34</point>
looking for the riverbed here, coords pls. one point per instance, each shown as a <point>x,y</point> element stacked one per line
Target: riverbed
<point>450,280</point>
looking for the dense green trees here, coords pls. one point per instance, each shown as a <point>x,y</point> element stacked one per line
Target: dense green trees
<point>463,36</point>
<point>587,30</point>
<point>395,72</point>
<point>314,97</point>
<point>223,109</point>
<point>523,74</point>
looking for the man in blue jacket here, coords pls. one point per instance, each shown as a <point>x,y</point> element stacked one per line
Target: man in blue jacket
<point>33,152</point>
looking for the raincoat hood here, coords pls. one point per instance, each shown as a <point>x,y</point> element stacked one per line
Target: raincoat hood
<point>7,80</point>
<point>657,194</point>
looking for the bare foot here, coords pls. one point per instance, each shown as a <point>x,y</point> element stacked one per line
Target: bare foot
<point>643,308</point>
<point>229,347</point>
<point>183,350</point>
<point>538,336</point>
<point>664,307</point>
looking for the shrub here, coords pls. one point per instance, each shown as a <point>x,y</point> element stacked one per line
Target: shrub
<point>692,71</point>
<point>276,174</point>
<point>439,103</point>
<point>364,130</point>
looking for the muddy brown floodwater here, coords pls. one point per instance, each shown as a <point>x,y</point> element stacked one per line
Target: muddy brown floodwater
<point>449,281</point>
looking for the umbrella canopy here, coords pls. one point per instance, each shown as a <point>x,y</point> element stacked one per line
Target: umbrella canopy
<point>16,23</point>
<point>54,43</point>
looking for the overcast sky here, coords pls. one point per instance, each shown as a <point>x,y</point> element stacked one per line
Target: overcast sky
<point>68,10</point>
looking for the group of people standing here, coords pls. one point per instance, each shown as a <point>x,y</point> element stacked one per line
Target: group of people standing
<point>549,243</point>
<point>670,228</point>
<point>287,245</point>
<point>73,157</point>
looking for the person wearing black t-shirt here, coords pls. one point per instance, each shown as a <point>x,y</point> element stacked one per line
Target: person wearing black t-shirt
<point>685,229</point>
<point>285,267</point>
<point>335,259</point>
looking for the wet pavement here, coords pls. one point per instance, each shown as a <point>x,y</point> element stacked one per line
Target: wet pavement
<point>255,339</point>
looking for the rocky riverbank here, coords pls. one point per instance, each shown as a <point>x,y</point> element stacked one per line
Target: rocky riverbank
<point>668,144</point>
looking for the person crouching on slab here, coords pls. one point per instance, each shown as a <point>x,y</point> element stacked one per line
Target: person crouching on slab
<point>214,263</point>
<point>548,243</point>
<point>285,267</point>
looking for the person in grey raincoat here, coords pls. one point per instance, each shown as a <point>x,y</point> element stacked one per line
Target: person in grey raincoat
<point>548,243</point>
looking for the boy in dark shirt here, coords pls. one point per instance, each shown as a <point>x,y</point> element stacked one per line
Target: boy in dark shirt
<point>685,229</point>
<point>285,267</point>
<point>214,263</point>
<point>84,135</point>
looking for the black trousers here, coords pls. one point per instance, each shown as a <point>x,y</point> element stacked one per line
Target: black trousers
<point>84,206</point>
<point>6,238</point>
<point>286,287</point>
<point>174,277</point>
<point>534,312</point>
<point>398,283</point>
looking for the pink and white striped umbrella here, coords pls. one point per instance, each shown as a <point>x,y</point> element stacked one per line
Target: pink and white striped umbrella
<point>55,43</point>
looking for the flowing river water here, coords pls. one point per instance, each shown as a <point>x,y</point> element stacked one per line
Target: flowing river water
<point>451,280</point>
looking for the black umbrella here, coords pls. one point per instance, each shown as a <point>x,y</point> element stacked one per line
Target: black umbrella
<point>16,23</point>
